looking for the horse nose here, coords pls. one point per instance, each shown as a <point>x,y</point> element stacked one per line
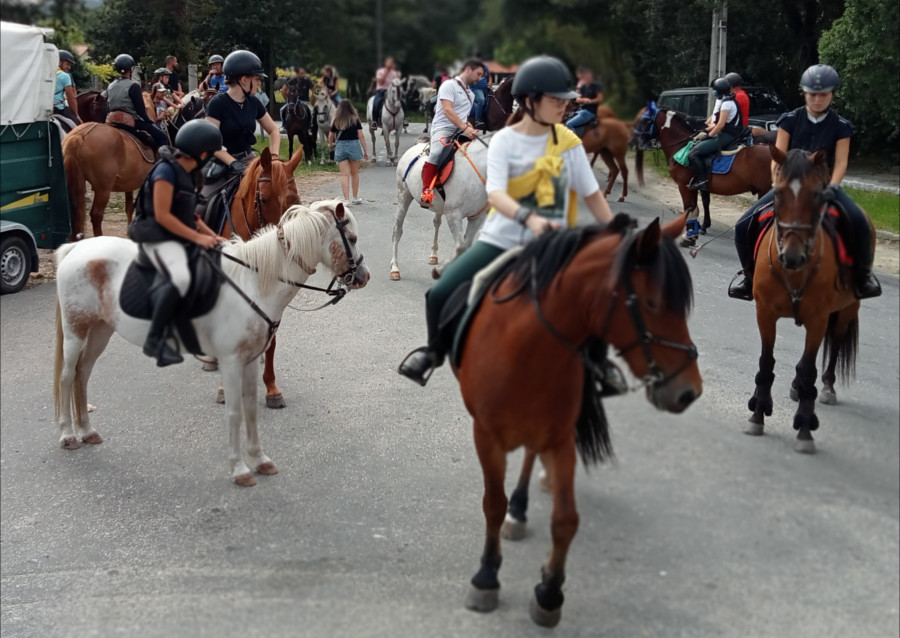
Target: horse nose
<point>686,398</point>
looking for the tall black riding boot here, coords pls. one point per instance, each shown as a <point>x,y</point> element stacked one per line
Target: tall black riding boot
<point>742,285</point>
<point>421,362</point>
<point>165,303</point>
<point>866,284</point>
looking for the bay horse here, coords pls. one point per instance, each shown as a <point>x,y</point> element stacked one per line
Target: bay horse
<point>110,160</point>
<point>299,123</point>
<point>392,118</point>
<point>525,371</point>
<point>803,281</point>
<point>268,272</point>
<point>751,170</point>
<point>466,199</point>
<point>92,106</point>
<point>609,138</point>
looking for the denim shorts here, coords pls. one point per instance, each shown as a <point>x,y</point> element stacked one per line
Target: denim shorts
<point>348,150</point>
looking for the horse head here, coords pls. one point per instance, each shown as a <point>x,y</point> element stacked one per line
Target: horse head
<point>645,128</point>
<point>267,189</point>
<point>394,95</point>
<point>339,250</point>
<point>800,203</point>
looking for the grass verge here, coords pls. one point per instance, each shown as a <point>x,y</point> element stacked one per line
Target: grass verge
<point>883,208</point>
<point>303,168</point>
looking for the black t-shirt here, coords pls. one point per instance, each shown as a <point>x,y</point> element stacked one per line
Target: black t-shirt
<point>174,80</point>
<point>591,90</point>
<point>237,121</point>
<point>349,133</point>
<point>813,136</point>
<point>304,86</point>
<point>329,83</point>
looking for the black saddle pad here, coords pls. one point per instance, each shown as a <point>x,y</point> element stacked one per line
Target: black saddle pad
<point>214,203</point>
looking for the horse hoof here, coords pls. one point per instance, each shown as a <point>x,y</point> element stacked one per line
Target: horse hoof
<point>268,468</point>
<point>432,261</point>
<point>541,616</point>
<point>621,198</point>
<point>220,396</point>
<point>755,428</point>
<point>828,397</point>
<point>482,600</point>
<point>703,230</point>
<point>275,401</point>
<point>93,438</point>
<point>210,366</point>
<point>805,446</point>
<point>544,482</point>
<point>69,443</point>
<point>395,275</point>
<point>687,242</point>
<point>795,396</point>
<point>513,530</point>
<point>435,273</point>
<point>245,480</point>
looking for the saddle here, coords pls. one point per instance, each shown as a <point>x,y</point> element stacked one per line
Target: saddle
<point>142,139</point>
<point>142,277</point>
<point>445,161</point>
<point>214,202</point>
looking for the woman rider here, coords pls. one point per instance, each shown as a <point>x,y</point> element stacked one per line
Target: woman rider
<point>725,128</point>
<point>236,112</point>
<point>165,225</point>
<point>543,88</point>
<point>814,127</point>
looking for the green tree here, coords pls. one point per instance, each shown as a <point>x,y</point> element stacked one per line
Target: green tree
<point>863,46</point>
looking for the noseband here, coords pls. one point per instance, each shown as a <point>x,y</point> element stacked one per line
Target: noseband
<point>782,231</point>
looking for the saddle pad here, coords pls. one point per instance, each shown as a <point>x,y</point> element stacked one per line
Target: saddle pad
<point>830,222</point>
<point>722,164</point>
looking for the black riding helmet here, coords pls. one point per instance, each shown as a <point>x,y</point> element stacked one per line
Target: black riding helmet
<point>162,71</point>
<point>543,75</point>
<point>734,79</point>
<point>820,78</point>
<point>242,62</point>
<point>197,136</point>
<point>721,86</point>
<point>123,63</point>
<point>215,58</point>
<point>65,56</point>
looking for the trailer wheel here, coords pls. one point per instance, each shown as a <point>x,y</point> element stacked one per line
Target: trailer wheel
<point>15,264</point>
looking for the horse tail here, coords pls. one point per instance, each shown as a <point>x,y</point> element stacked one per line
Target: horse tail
<point>591,429</point>
<point>639,163</point>
<point>846,346</point>
<point>75,180</point>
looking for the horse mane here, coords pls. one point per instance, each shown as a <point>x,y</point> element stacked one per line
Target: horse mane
<point>247,188</point>
<point>547,255</point>
<point>692,123</point>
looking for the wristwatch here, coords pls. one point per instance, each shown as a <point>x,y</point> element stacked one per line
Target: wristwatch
<point>522,215</point>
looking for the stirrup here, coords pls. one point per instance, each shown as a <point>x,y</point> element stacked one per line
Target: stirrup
<point>744,292</point>
<point>427,198</point>
<point>867,287</point>
<point>613,382</point>
<point>420,378</point>
<point>700,185</point>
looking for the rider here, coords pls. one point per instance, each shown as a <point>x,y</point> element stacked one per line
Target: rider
<point>526,200</point>
<point>330,84</point>
<point>174,80</point>
<point>163,76</point>
<point>479,90</point>
<point>165,225</point>
<point>740,96</point>
<point>124,94</point>
<point>723,131</point>
<point>215,79</point>
<point>813,127</point>
<point>455,99</point>
<point>301,84</point>
<point>383,78</point>
<point>591,96</point>
<point>64,102</point>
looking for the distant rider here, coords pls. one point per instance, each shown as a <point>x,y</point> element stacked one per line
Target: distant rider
<point>124,94</point>
<point>64,102</point>
<point>590,97</point>
<point>725,128</point>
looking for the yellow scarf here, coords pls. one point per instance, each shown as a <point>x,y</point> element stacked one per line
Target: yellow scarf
<point>538,179</point>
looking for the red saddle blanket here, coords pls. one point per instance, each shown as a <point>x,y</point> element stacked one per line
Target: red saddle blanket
<point>830,223</point>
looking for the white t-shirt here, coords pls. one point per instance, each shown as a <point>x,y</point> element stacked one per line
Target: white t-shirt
<point>729,110</point>
<point>512,154</point>
<point>462,97</point>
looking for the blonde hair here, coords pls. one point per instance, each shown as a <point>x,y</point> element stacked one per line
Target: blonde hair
<point>346,116</point>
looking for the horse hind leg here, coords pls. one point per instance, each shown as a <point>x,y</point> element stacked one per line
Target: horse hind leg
<point>514,528</point>
<point>101,199</point>
<point>129,205</point>
<point>841,343</point>
<point>94,345</point>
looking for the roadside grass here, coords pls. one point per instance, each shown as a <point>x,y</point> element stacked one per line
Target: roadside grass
<point>303,168</point>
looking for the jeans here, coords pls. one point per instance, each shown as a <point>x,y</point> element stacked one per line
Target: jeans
<point>582,117</point>
<point>478,104</point>
<point>376,105</point>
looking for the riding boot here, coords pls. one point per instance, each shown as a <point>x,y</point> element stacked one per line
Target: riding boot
<point>698,182</point>
<point>421,362</point>
<point>742,285</point>
<point>429,172</point>
<point>866,285</point>
<point>165,302</point>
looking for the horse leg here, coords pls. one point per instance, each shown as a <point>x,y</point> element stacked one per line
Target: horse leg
<point>68,351</point>
<point>623,167</point>
<point>484,595</point>
<point>98,206</point>
<point>404,199</point>
<point>94,345</point>
<point>761,401</point>
<point>234,375</point>
<point>514,525</point>
<point>455,224</point>
<point>374,152</point>
<point>704,197</point>
<point>611,168</point>
<point>261,463</point>
<point>546,604</point>
<point>387,145</point>
<point>805,419</point>
<point>433,259</point>
<point>274,399</point>
<point>129,205</point>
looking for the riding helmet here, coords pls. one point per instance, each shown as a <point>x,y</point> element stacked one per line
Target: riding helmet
<point>820,78</point>
<point>722,86</point>
<point>197,136</point>
<point>123,63</point>
<point>65,56</point>
<point>545,75</point>
<point>242,62</point>
<point>734,79</point>
<point>162,71</point>
<point>216,58</point>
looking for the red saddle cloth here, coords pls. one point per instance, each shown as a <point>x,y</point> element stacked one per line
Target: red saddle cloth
<point>830,222</point>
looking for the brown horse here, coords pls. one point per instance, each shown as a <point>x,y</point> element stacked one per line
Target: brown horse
<point>526,372</point>
<point>803,281</point>
<point>751,170</point>
<point>267,189</point>
<point>111,161</point>
<point>609,138</point>
<point>92,106</point>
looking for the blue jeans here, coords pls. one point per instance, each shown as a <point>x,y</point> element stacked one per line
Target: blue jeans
<point>478,104</point>
<point>582,117</point>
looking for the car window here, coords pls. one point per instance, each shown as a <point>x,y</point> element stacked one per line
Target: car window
<point>695,105</point>
<point>672,102</point>
<point>763,101</point>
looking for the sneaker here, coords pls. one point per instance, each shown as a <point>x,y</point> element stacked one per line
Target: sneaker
<point>346,202</point>
<point>357,200</point>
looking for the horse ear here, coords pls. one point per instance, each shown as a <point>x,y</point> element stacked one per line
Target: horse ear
<point>647,242</point>
<point>295,160</point>
<point>776,153</point>
<point>818,158</point>
<point>265,160</point>
<point>674,228</point>
<point>339,211</point>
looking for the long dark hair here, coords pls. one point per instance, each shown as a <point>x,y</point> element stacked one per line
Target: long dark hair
<point>346,116</point>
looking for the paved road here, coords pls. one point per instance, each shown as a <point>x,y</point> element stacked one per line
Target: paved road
<point>373,525</point>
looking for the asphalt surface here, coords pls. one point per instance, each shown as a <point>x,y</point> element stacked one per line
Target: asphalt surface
<point>373,526</point>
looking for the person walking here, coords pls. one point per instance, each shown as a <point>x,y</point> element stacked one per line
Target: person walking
<point>349,143</point>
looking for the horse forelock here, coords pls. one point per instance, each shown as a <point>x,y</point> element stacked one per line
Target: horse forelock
<point>667,269</point>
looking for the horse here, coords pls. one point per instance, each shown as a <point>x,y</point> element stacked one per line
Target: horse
<point>412,86</point>
<point>803,281</point>
<point>751,170</point>
<point>92,106</point>
<point>267,272</point>
<point>324,115</point>
<point>109,159</point>
<point>609,138</point>
<point>527,378</point>
<point>497,109</point>
<point>466,198</point>
<point>392,118</point>
<point>298,122</point>
<point>426,105</point>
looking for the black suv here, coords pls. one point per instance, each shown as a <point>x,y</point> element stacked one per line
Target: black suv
<point>765,105</point>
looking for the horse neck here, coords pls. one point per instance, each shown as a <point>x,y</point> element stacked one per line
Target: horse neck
<point>674,136</point>
<point>273,266</point>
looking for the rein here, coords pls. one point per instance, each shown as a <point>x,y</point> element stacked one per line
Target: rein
<point>814,228</point>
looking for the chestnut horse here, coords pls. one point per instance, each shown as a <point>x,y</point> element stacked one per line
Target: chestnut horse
<point>751,170</point>
<point>609,138</point>
<point>803,281</point>
<point>92,106</point>
<point>526,370</point>
<point>111,161</point>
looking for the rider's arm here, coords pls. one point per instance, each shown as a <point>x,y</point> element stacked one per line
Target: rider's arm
<point>719,125</point>
<point>782,142</point>
<point>362,140</point>
<point>598,206</point>
<point>841,153</point>
<point>71,101</point>
<point>206,230</point>
<point>467,130</point>
<point>137,100</point>
<point>162,204</point>
<point>222,155</point>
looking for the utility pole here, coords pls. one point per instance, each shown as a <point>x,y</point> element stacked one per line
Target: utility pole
<point>379,29</point>
<point>717,48</point>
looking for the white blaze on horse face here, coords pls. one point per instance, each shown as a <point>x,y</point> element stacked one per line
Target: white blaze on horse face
<point>669,116</point>
<point>795,187</point>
